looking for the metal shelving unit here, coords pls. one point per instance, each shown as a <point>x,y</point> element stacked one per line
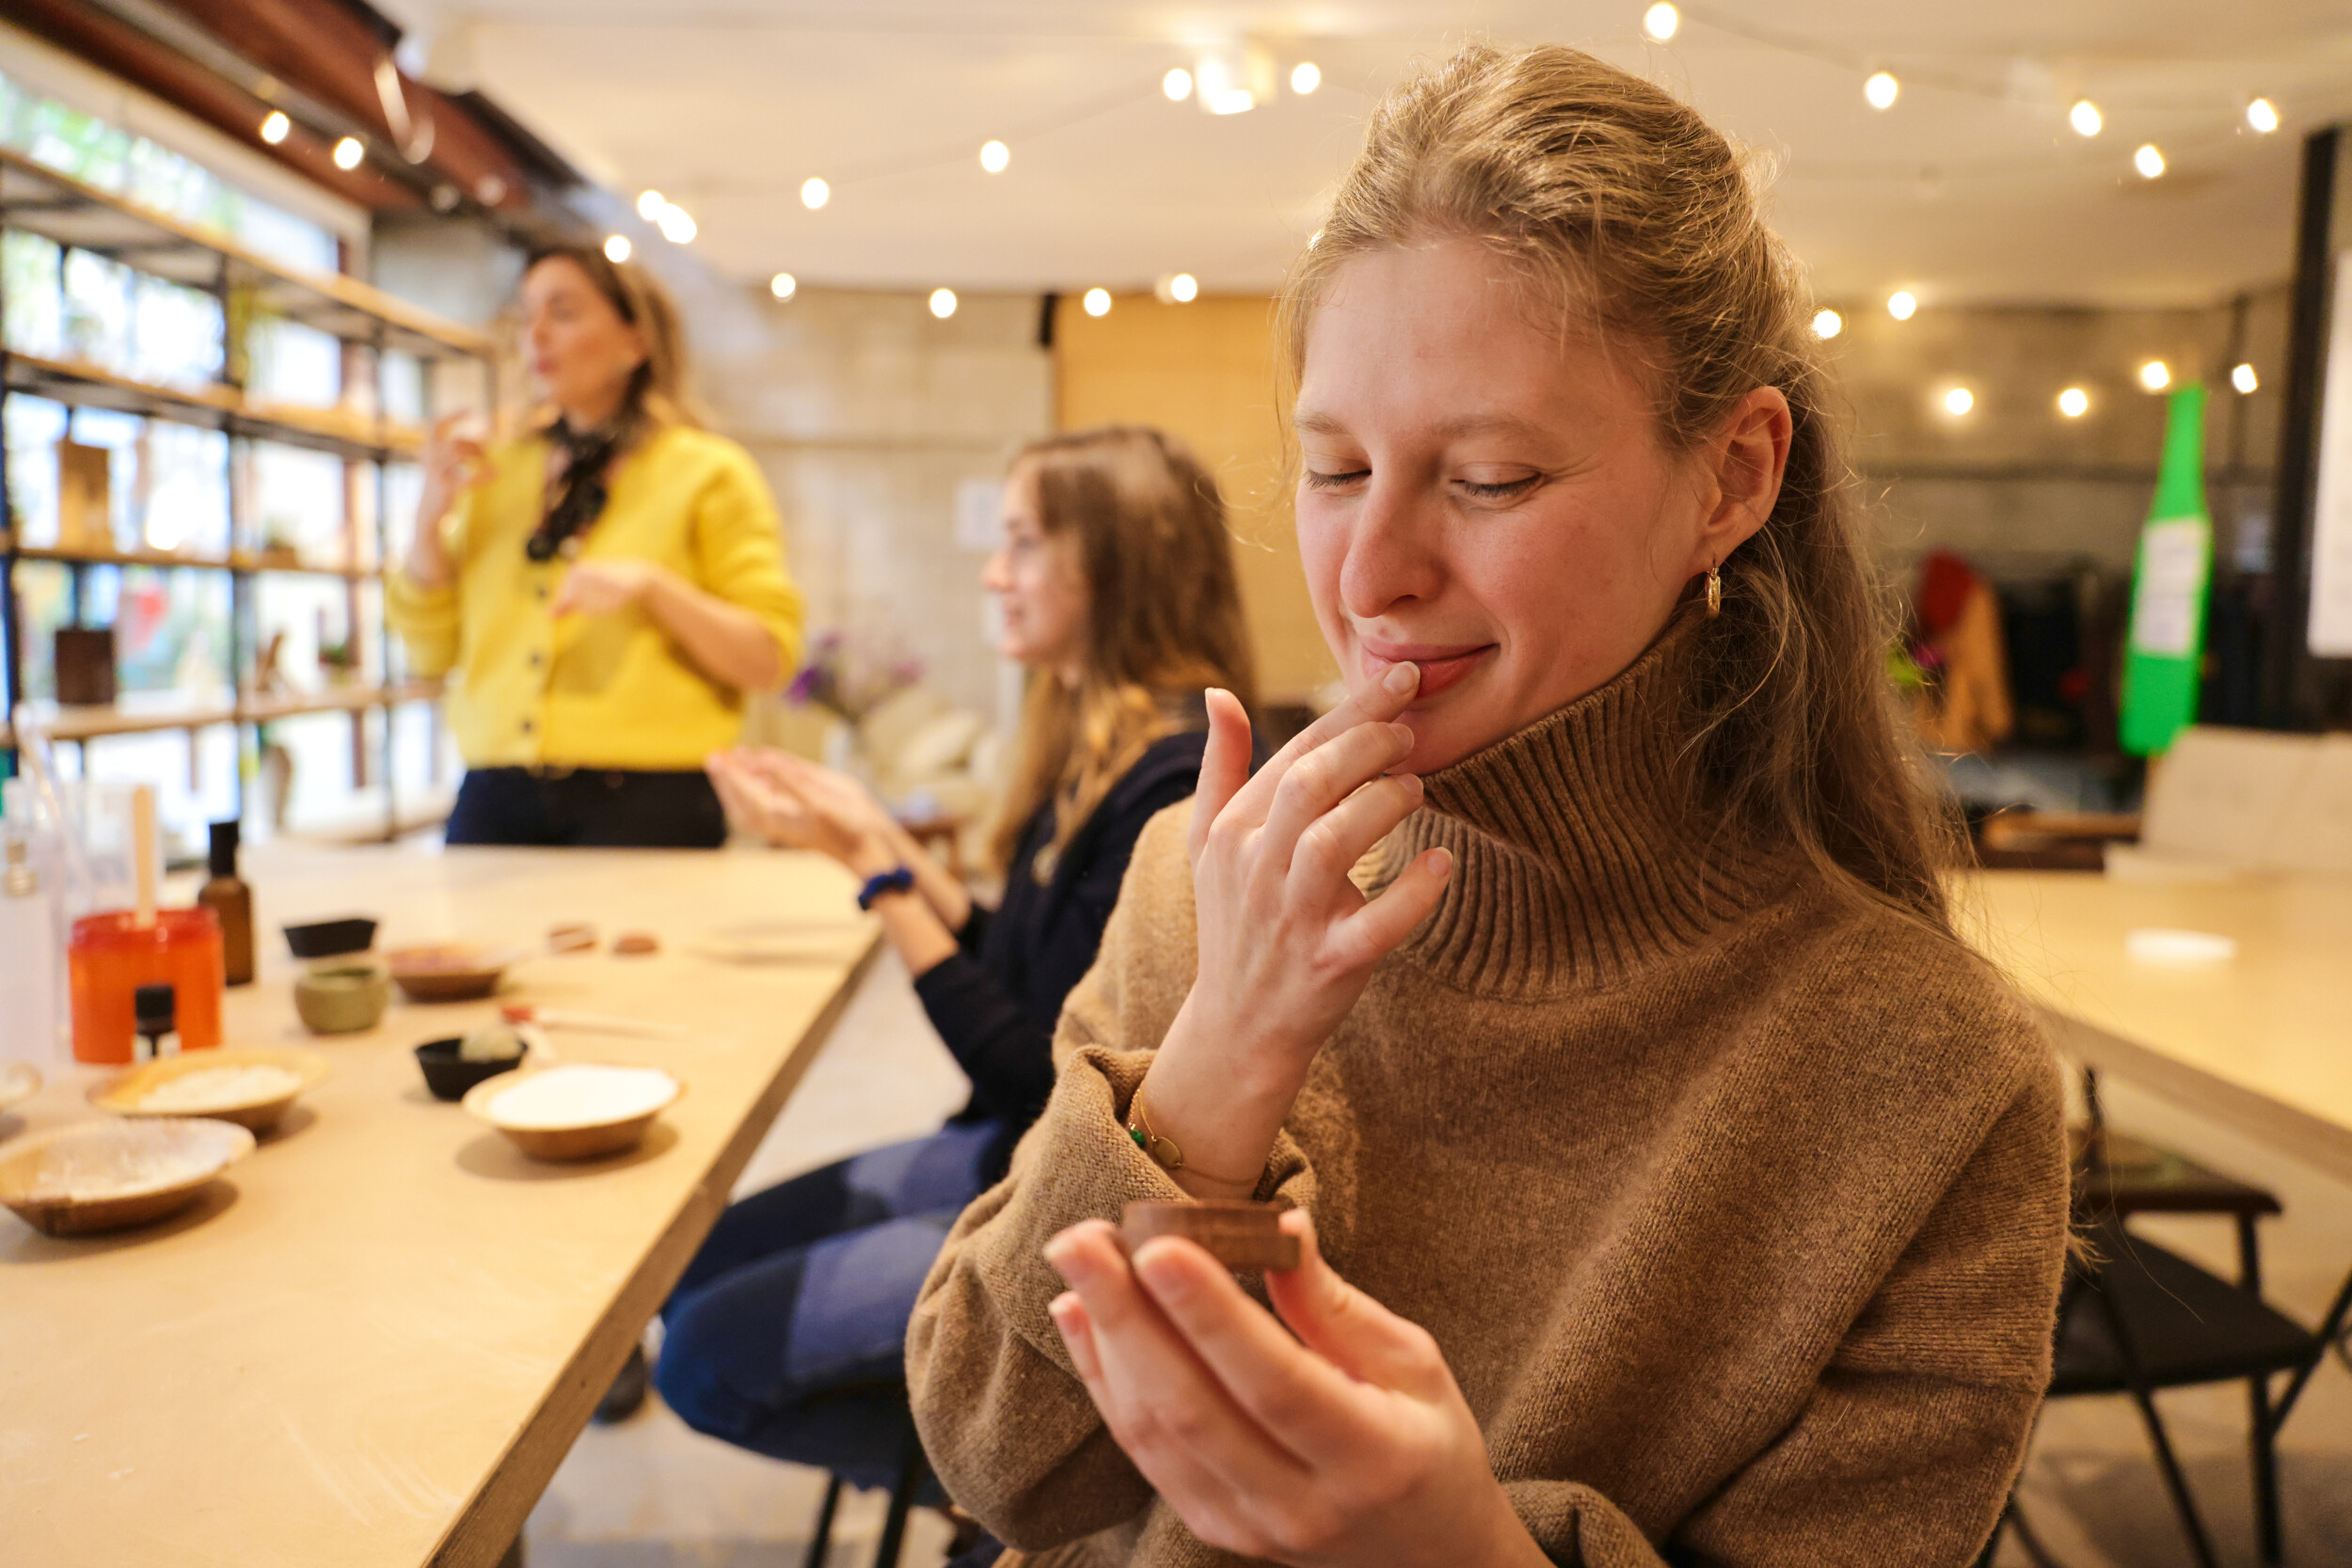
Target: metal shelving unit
<point>248,287</point>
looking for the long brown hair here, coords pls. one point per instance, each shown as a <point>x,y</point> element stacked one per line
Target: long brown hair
<point>658,392</point>
<point>1146,528</point>
<point>1624,210</point>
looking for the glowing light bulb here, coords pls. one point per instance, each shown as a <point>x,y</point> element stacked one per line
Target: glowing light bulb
<point>649,205</point>
<point>2244,379</point>
<point>675,226</point>
<point>2147,161</point>
<point>2261,117</point>
<point>275,126</point>
<point>1305,77</point>
<point>1660,20</point>
<point>1177,84</point>
<point>994,155</point>
<point>616,249</point>
<point>2073,403</point>
<point>1958,401</point>
<point>1881,89</point>
<point>783,285</point>
<point>1098,302</point>
<point>348,153</point>
<point>1902,304</point>
<point>1828,324</point>
<point>815,193</point>
<point>1184,288</point>
<point>943,303</point>
<point>2155,375</point>
<point>2085,117</point>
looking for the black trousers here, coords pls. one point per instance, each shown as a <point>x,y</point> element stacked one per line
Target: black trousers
<point>588,808</point>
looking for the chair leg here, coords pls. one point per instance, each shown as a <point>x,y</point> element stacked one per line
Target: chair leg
<point>912,1471</point>
<point>2331,1329</point>
<point>2262,1440</point>
<point>2174,1481</point>
<point>820,1543</point>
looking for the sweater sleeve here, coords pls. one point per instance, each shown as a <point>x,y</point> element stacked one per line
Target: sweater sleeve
<point>739,553</point>
<point>1918,1424</point>
<point>1005,1419</point>
<point>996,1035</point>
<point>427,620</point>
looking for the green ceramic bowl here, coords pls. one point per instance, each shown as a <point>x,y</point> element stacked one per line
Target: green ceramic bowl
<point>342,999</point>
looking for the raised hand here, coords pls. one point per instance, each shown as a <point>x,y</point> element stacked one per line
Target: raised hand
<point>1350,1444</point>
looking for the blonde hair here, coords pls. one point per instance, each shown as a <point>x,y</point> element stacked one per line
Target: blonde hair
<point>1145,527</point>
<point>1627,212</point>
<point>658,392</point>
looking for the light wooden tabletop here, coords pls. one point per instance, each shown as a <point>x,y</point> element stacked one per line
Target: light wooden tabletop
<point>375,1339</point>
<point>2263,1041</point>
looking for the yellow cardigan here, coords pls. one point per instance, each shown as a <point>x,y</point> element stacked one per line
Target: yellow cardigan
<point>597,690</point>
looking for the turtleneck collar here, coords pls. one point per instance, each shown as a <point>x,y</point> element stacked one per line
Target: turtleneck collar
<point>1580,850</point>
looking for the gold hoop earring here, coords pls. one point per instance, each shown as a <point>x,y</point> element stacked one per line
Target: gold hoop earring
<point>1714,593</point>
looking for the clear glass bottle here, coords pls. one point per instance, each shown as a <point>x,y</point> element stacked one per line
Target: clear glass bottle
<point>29,1022</point>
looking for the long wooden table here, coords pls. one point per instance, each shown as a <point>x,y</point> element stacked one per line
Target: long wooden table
<point>377,1336</point>
<point>2261,1042</point>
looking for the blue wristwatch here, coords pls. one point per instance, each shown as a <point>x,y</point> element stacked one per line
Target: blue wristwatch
<point>897,879</point>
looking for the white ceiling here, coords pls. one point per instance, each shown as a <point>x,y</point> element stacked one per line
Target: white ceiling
<point>1972,187</point>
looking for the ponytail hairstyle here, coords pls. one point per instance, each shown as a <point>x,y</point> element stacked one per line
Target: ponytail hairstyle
<point>1145,528</point>
<point>1624,212</point>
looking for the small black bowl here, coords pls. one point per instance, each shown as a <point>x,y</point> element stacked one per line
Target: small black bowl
<point>327,939</point>
<point>449,1076</point>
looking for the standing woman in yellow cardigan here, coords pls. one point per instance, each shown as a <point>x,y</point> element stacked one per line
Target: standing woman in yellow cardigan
<point>602,591</point>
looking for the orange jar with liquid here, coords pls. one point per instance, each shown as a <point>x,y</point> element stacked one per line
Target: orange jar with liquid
<point>111,955</point>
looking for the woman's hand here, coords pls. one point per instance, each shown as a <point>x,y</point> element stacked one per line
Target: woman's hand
<point>792,801</point>
<point>454,463</point>
<point>1287,942</point>
<point>605,587</point>
<point>1350,1444</point>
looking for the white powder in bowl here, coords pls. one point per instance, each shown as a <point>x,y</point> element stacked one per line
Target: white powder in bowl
<point>104,1159</point>
<point>220,1088</point>
<point>581,1096</point>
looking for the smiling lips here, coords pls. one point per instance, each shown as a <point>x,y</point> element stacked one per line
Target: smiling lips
<point>1441,665</point>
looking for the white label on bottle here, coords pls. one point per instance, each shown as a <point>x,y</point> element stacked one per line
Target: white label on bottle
<point>2173,556</point>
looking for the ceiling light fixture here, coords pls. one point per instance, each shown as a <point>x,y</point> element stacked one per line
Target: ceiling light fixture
<point>1958,401</point>
<point>1902,304</point>
<point>2147,161</point>
<point>2155,375</point>
<point>1184,288</point>
<point>1098,302</point>
<point>1828,324</point>
<point>616,249</point>
<point>783,285</point>
<point>676,225</point>
<point>348,153</point>
<point>2073,403</point>
<point>2261,116</point>
<point>943,303</point>
<point>2244,379</point>
<point>2085,117</point>
<point>1305,77</point>
<point>1881,89</point>
<point>1235,79</point>
<point>815,193</point>
<point>1177,85</point>
<point>275,126</point>
<point>994,155</point>
<point>649,205</point>
<point>1660,20</point>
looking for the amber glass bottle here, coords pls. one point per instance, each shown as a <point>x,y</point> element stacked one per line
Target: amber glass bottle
<point>229,899</point>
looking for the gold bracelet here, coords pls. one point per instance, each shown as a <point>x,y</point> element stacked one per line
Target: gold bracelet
<point>1164,1151</point>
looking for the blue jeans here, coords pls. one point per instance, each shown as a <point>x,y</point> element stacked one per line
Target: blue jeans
<point>786,1334</point>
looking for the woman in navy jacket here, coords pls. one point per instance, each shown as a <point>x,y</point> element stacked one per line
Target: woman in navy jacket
<point>1117,582</point>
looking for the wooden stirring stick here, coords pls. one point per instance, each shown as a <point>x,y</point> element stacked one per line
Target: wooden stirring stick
<point>143,852</point>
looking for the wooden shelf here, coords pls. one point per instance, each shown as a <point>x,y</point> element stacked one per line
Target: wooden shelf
<point>59,208</point>
<point>148,714</point>
<point>213,407</point>
<point>236,560</point>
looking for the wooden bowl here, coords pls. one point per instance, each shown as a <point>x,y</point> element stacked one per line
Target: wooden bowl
<point>18,1082</point>
<point>586,1139</point>
<point>124,1093</point>
<point>105,1175</point>
<point>446,973</point>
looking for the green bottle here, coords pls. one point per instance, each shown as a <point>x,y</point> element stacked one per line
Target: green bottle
<point>2163,656</point>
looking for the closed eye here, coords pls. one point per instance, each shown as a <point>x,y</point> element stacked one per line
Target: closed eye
<point>1506,490</point>
<point>1316,480</point>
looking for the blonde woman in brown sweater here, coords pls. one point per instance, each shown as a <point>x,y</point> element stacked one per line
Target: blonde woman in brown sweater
<point>1674,1186</point>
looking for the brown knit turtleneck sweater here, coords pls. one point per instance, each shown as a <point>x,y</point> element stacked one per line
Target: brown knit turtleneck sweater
<point>1737,1207</point>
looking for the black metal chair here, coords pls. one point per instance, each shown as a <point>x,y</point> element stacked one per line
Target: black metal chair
<point>913,1486</point>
